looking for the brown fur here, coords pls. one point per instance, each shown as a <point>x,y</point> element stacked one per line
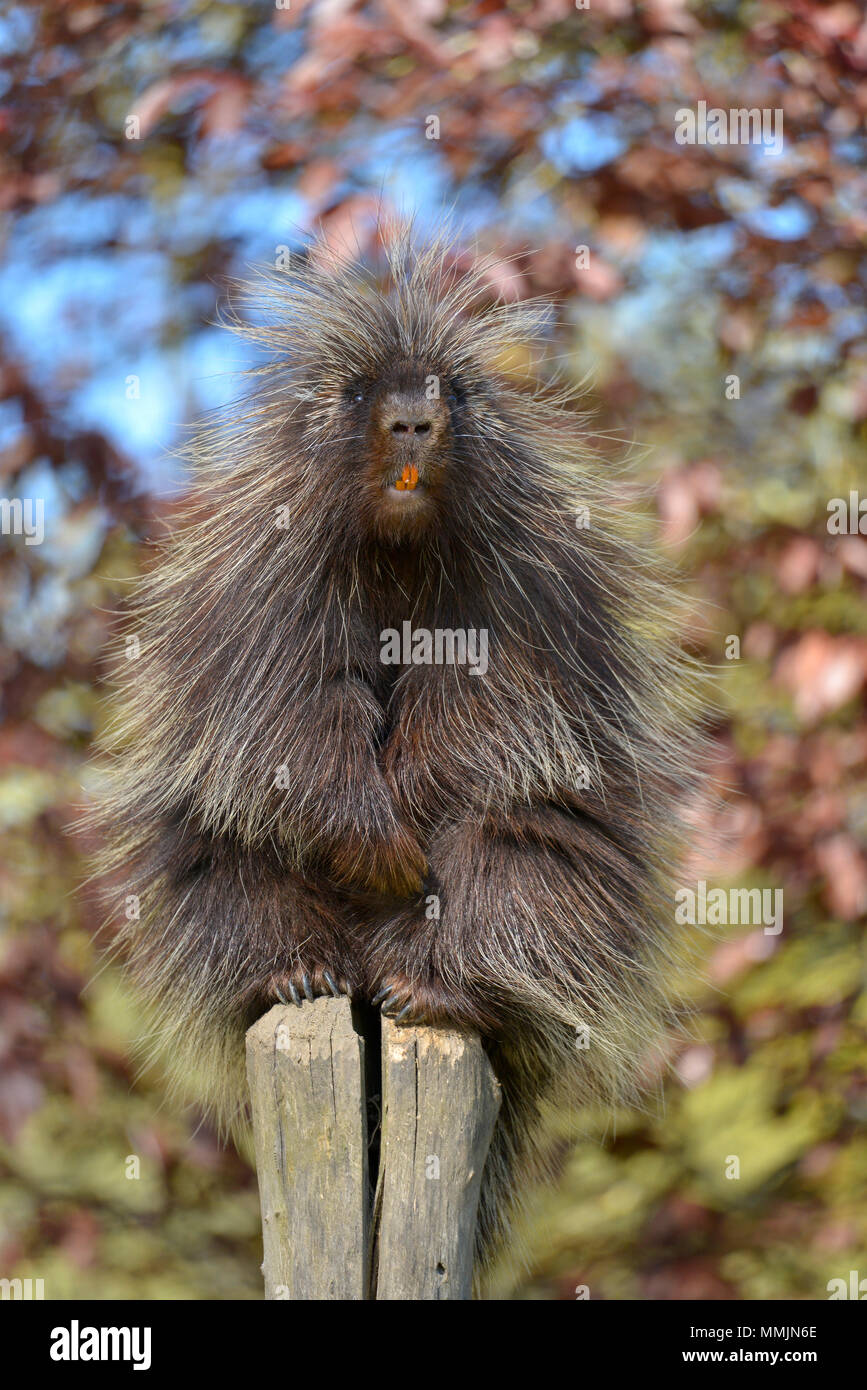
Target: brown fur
<point>283,804</point>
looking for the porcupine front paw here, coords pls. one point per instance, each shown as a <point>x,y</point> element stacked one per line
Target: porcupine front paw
<point>427,1001</point>
<point>296,986</point>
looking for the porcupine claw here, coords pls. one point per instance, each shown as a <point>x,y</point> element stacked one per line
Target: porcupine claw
<point>303,985</point>
<point>391,997</point>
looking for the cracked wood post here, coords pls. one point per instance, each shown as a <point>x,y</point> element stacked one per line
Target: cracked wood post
<point>440,1103</point>
<point>305,1069</point>
<point>310,1085</point>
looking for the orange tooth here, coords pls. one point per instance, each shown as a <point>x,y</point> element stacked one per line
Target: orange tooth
<point>409,478</point>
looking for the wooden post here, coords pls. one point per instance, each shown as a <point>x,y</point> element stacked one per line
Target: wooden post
<point>440,1102</point>
<point>312,1087</point>
<point>305,1069</point>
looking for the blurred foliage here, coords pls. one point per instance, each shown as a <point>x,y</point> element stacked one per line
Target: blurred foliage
<point>557,130</point>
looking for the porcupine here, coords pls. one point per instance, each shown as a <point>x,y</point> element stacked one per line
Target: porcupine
<point>286,805</point>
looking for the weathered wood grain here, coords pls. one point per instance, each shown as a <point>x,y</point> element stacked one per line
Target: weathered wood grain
<point>312,1083</point>
<point>440,1103</point>
<point>305,1069</point>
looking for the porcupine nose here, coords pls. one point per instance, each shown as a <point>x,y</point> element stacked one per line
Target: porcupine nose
<point>409,418</point>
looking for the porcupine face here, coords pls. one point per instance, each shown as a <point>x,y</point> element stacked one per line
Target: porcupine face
<point>404,419</point>
<point>394,421</point>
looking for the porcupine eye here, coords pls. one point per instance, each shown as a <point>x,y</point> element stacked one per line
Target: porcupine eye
<point>354,393</point>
